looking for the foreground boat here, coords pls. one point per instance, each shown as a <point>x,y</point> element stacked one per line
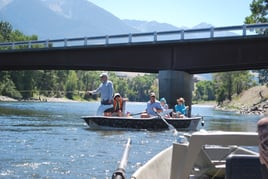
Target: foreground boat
<point>206,155</point>
<point>154,123</point>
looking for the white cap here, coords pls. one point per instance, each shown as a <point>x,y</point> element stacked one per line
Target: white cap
<point>104,74</point>
<point>117,94</point>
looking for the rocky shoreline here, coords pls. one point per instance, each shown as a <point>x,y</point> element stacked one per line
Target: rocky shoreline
<point>254,101</point>
<point>254,110</point>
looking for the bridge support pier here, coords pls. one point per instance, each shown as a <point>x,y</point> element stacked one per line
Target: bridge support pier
<point>176,84</point>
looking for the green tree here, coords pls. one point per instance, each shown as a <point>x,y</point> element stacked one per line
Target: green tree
<point>204,90</point>
<point>259,11</point>
<point>242,80</point>
<point>71,84</point>
<point>259,14</point>
<point>48,83</point>
<point>60,80</point>
<point>5,31</point>
<point>90,80</point>
<point>16,83</point>
<point>120,85</point>
<point>7,86</point>
<point>229,83</point>
<point>141,86</point>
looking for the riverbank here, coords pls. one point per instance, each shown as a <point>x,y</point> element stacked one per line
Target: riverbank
<point>5,98</point>
<point>207,103</point>
<point>43,99</point>
<point>251,101</point>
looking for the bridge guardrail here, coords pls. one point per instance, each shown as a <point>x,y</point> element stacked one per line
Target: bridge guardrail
<point>151,37</point>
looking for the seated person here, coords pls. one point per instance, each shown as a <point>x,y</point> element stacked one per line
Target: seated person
<point>153,107</point>
<point>117,109</point>
<point>180,109</point>
<point>164,103</point>
<point>166,112</point>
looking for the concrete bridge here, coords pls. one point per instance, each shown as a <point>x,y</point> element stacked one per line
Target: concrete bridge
<point>175,55</point>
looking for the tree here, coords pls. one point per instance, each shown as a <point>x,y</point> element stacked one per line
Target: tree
<point>120,84</point>
<point>48,83</point>
<point>16,83</point>
<point>259,11</point>
<point>5,31</point>
<point>204,90</point>
<point>90,80</point>
<point>141,86</point>
<point>7,86</point>
<point>71,84</point>
<point>229,83</point>
<point>259,14</point>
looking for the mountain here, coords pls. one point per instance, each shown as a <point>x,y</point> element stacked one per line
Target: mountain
<point>150,26</point>
<point>50,19</point>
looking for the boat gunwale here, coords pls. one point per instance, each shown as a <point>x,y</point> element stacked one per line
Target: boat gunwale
<point>189,124</point>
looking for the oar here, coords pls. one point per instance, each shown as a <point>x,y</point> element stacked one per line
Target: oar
<point>170,127</point>
<point>120,173</point>
<point>181,138</point>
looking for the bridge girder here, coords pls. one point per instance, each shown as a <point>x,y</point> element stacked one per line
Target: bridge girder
<point>191,56</point>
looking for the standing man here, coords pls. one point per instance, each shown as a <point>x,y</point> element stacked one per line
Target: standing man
<point>106,90</point>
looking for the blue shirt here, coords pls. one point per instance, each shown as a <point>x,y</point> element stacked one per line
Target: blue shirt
<point>150,107</point>
<point>106,89</point>
<point>180,108</point>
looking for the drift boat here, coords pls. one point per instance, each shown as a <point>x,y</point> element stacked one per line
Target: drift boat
<point>152,124</point>
<point>206,155</point>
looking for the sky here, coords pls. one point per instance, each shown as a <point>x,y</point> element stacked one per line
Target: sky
<point>180,13</point>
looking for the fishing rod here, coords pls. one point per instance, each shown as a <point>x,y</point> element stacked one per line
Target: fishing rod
<point>40,91</point>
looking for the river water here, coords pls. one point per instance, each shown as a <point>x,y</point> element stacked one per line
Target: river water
<point>50,140</point>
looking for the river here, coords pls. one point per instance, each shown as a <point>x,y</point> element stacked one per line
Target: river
<point>50,140</point>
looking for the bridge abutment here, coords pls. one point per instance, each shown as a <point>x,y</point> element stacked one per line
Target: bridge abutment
<point>176,84</point>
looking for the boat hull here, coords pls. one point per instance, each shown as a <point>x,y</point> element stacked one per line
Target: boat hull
<point>142,123</point>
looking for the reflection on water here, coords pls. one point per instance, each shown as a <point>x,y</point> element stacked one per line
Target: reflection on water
<point>50,140</point>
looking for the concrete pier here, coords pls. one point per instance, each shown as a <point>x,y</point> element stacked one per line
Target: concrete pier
<point>176,84</point>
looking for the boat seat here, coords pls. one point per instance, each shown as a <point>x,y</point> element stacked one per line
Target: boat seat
<point>243,166</point>
<point>211,160</point>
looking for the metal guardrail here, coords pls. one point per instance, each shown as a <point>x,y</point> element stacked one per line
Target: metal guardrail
<point>135,38</point>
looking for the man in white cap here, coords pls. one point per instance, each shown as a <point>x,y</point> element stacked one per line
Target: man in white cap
<point>106,90</point>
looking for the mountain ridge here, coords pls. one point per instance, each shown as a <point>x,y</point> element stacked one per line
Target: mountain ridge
<point>61,18</point>
<point>50,19</point>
